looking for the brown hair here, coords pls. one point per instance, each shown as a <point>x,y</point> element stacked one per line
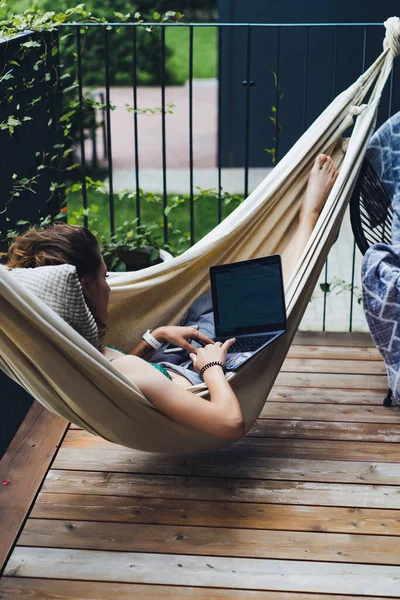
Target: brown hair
<point>58,244</point>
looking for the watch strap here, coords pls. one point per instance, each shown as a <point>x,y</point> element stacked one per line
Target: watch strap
<point>151,340</point>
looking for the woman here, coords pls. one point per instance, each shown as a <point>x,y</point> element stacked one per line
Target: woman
<point>220,417</point>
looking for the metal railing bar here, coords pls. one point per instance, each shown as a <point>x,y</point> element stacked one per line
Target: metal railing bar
<point>353,268</point>
<point>333,96</point>
<point>163,129</point>
<point>108,127</point>
<point>263,25</point>
<point>325,295</point>
<point>277,94</point>
<point>81,125</point>
<point>248,85</point>
<point>364,53</point>
<point>305,77</point>
<point>135,124</point>
<point>335,48</point>
<point>191,135</point>
<point>219,125</point>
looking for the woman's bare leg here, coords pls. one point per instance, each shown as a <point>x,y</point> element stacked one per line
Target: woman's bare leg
<point>322,177</point>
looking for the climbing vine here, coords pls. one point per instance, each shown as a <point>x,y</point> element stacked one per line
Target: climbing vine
<point>19,94</point>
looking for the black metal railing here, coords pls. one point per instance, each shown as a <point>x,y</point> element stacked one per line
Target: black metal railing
<point>347,49</point>
<point>272,83</point>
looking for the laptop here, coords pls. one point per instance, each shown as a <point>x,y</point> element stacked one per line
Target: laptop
<point>249,305</point>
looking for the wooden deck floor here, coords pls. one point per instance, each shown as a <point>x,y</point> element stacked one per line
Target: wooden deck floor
<point>307,506</point>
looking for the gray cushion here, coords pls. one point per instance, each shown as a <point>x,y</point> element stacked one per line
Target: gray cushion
<point>59,287</point>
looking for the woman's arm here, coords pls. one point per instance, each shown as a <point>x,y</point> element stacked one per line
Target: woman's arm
<point>221,417</point>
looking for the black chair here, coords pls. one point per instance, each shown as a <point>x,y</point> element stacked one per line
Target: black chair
<point>371,216</point>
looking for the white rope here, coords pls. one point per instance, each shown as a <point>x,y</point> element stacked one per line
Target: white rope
<point>392,39</point>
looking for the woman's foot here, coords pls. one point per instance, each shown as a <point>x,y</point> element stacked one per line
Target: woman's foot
<point>322,177</point>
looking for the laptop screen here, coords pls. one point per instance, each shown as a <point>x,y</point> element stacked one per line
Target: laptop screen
<point>248,297</point>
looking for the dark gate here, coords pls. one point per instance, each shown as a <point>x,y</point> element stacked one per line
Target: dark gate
<point>290,73</point>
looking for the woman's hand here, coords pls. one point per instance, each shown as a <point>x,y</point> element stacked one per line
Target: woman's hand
<point>180,336</point>
<point>215,352</point>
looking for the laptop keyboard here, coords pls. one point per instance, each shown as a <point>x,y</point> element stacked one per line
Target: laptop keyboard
<point>249,344</point>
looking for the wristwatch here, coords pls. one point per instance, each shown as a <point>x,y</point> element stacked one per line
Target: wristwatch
<point>151,340</point>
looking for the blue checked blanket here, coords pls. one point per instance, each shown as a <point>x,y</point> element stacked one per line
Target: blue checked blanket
<point>381,265</point>
<point>381,301</point>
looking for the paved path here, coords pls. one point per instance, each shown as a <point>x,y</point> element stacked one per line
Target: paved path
<point>176,125</point>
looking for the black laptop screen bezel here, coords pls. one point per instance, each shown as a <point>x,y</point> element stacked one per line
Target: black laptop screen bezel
<point>265,260</point>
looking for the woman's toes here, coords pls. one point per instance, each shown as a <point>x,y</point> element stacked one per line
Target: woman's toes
<point>321,160</point>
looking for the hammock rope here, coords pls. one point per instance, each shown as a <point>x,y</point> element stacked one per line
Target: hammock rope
<point>71,378</point>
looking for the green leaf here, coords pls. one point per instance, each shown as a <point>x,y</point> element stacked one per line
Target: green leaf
<point>325,287</point>
<point>31,44</point>
<point>154,254</point>
<point>70,88</point>
<point>156,16</point>
<point>120,266</point>
<point>67,116</point>
<point>13,122</point>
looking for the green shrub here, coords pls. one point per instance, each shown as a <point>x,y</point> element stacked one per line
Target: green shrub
<point>120,55</point>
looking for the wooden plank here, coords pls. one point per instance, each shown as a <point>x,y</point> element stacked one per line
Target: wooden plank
<point>318,365</point>
<point>309,412</point>
<point>320,449</point>
<point>246,515</point>
<point>24,465</point>
<point>322,430</point>
<point>216,489</point>
<point>334,352</point>
<point>12,588</point>
<point>281,393</point>
<point>274,447</point>
<point>326,380</point>
<point>205,571</point>
<point>228,463</point>
<point>211,541</point>
<point>333,338</point>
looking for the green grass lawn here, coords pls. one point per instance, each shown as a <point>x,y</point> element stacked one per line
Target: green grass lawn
<point>204,52</point>
<point>205,215</point>
<point>177,39</point>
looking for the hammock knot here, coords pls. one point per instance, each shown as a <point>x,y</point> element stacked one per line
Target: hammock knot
<point>392,39</point>
<point>355,110</point>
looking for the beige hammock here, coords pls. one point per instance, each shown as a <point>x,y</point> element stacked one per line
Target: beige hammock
<point>71,378</point>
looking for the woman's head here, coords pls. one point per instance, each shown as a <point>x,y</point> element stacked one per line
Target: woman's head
<point>66,244</point>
